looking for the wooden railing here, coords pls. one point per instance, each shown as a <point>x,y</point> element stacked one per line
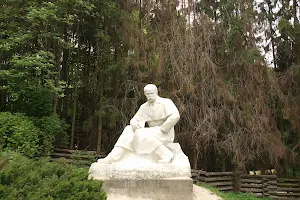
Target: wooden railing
<point>288,188</point>
<point>259,185</point>
<point>221,180</point>
<point>70,156</point>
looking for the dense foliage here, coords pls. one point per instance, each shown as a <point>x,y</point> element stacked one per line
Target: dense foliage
<point>22,178</point>
<point>30,136</point>
<point>86,62</point>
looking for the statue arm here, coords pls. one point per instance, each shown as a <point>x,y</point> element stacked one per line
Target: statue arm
<point>137,121</point>
<point>172,116</point>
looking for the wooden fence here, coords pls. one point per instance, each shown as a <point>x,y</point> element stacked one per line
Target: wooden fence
<point>259,185</point>
<point>221,180</point>
<point>288,188</point>
<point>70,156</point>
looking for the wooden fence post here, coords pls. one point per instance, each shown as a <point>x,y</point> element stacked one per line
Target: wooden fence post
<point>265,187</point>
<point>236,177</point>
<point>270,186</point>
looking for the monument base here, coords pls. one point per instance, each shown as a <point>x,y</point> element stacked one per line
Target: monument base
<point>153,189</point>
<point>140,177</point>
<point>144,166</point>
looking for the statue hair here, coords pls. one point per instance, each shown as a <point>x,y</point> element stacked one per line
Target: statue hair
<point>150,87</point>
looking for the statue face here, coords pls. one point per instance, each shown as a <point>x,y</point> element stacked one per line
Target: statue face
<point>151,95</point>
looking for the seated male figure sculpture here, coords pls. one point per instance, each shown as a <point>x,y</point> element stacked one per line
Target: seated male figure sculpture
<point>161,115</point>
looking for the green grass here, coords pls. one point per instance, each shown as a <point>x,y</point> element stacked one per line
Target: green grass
<point>231,195</point>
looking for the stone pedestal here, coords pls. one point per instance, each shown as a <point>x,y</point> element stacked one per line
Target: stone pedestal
<point>144,166</point>
<point>154,189</point>
<point>141,177</point>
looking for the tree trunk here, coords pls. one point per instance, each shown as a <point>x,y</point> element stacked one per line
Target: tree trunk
<point>148,14</point>
<point>189,12</point>
<point>285,168</point>
<point>99,132</point>
<point>65,102</point>
<point>296,21</point>
<point>238,170</point>
<point>223,163</point>
<point>195,159</point>
<point>75,78</point>
<point>55,96</point>
<point>297,37</point>
<point>115,76</point>
<point>74,117</point>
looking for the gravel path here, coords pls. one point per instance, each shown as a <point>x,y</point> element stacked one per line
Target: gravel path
<point>200,193</point>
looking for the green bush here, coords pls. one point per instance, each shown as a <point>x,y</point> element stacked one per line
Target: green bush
<point>33,101</point>
<point>53,131</point>
<point>17,132</point>
<point>31,136</point>
<point>25,179</point>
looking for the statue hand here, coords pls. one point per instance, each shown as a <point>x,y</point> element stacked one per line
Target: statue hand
<point>159,129</point>
<point>134,124</point>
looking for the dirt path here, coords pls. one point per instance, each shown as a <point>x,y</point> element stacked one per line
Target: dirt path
<point>200,193</point>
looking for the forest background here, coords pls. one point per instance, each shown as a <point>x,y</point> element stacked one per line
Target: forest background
<point>72,74</point>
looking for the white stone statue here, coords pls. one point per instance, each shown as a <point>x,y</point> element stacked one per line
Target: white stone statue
<point>146,152</point>
<point>161,115</point>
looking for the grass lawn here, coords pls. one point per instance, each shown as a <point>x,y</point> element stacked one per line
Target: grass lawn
<point>231,195</point>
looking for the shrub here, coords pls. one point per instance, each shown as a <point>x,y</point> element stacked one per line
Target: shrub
<point>31,100</point>
<point>53,131</point>
<point>22,178</point>
<point>17,132</point>
<point>31,136</point>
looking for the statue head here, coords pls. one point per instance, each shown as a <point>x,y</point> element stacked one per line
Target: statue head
<point>151,92</point>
